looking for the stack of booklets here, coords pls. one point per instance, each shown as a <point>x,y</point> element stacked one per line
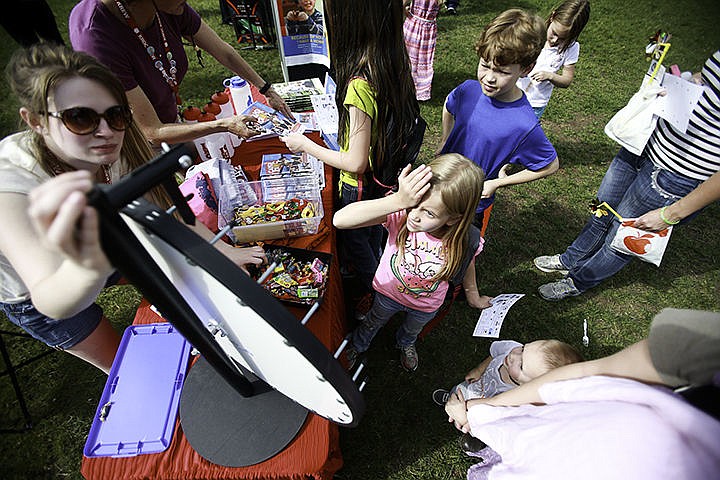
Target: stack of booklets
<point>297,93</point>
<point>270,122</point>
<point>285,165</point>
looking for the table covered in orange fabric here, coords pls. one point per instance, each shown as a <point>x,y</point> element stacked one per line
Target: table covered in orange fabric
<point>315,451</point>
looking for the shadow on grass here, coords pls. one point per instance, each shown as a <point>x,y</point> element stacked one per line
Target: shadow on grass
<point>403,430</point>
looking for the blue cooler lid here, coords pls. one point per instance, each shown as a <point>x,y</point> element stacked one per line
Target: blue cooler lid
<point>139,404</point>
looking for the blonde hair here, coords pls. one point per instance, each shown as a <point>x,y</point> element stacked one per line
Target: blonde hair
<point>573,14</point>
<point>559,353</point>
<point>460,183</point>
<point>514,36</point>
<point>33,74</point>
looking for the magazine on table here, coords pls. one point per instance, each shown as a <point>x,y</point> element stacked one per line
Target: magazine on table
<point>284,165</point>
<point>270,123</point>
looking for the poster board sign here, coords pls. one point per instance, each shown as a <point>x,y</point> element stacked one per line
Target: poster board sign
<point>302,36</point>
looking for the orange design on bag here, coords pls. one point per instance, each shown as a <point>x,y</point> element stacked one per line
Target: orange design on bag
<point>638,243</point>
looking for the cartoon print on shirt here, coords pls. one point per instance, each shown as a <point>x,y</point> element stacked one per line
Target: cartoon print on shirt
<point>416,269</point>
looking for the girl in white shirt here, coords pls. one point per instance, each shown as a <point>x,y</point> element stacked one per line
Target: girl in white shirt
<point>561,52</point>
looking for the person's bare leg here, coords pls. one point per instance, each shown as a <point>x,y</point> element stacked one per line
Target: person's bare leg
<point>100,347</point>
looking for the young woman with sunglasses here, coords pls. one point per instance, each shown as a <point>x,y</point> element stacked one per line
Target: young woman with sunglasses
<point>80,122</point>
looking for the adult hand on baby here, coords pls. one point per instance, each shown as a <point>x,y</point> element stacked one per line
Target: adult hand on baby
<point>457,414</point>
<point>413,185</point>
<point>473,375</point>
<point>63,220</point>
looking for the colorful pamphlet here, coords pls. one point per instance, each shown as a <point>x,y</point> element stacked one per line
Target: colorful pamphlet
<point>270,123</point>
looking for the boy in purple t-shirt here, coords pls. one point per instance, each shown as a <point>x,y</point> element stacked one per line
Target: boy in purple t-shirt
<point>490,121</point>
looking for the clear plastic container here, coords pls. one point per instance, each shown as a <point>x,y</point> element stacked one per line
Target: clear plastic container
<point>242,195</point>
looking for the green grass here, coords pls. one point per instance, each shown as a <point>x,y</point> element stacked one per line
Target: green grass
<point>403,434</point>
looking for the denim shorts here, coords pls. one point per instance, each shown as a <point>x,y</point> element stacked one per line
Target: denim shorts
<point>539,111</point>
<point>61,334</point>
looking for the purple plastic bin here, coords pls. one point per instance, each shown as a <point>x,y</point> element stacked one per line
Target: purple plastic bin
<point>139,403</point>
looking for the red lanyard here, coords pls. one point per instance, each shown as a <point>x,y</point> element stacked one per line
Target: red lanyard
<point>170,78</point>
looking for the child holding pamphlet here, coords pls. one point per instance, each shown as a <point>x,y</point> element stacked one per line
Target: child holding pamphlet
<point>376,103</point>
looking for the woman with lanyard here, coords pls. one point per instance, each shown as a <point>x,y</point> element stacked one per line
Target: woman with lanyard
<point>141,42</point>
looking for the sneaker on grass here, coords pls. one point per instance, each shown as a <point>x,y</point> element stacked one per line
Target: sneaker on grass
<point>409,358</point>
<point>559,290</point>
<point>550,263</point>
<point>440,396</point>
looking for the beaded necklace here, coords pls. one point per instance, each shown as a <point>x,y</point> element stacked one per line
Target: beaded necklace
<point>170,78</point>
<point>58,167</point>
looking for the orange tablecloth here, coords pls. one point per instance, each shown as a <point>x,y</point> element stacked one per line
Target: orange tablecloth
<point>315,452</point>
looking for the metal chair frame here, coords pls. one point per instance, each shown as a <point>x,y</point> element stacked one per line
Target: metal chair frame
<point>11,371</point>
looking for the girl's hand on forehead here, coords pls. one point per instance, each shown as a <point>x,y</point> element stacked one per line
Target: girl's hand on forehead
<point>413,185</point>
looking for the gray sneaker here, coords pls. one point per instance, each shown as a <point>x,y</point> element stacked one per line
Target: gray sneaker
<point>440,396</point>
<point>550,263</point>
<point>409,358</point>
<point>558,290</point>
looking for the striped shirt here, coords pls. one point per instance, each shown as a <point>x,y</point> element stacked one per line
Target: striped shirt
<point>695,153</point>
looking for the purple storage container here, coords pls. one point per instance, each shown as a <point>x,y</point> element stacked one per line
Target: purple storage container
<point>139,403</point>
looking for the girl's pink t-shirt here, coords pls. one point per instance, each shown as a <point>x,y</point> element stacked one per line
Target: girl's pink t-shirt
<point>409,281</point>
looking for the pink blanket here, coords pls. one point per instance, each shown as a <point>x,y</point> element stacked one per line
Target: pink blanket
<point>597,428</point>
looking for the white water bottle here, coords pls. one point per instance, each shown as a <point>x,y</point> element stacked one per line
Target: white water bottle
<point>239,93</point>
<point>222,99</point>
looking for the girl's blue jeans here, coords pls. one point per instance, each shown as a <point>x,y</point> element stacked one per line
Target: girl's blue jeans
<point>633,186</point>
<point>382,310</point>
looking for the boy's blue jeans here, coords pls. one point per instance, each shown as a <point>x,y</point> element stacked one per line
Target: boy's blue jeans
<point>382,309</point>
<point>633,186</point>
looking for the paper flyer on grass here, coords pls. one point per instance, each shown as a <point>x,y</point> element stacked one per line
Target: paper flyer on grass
<point>491,318</point>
